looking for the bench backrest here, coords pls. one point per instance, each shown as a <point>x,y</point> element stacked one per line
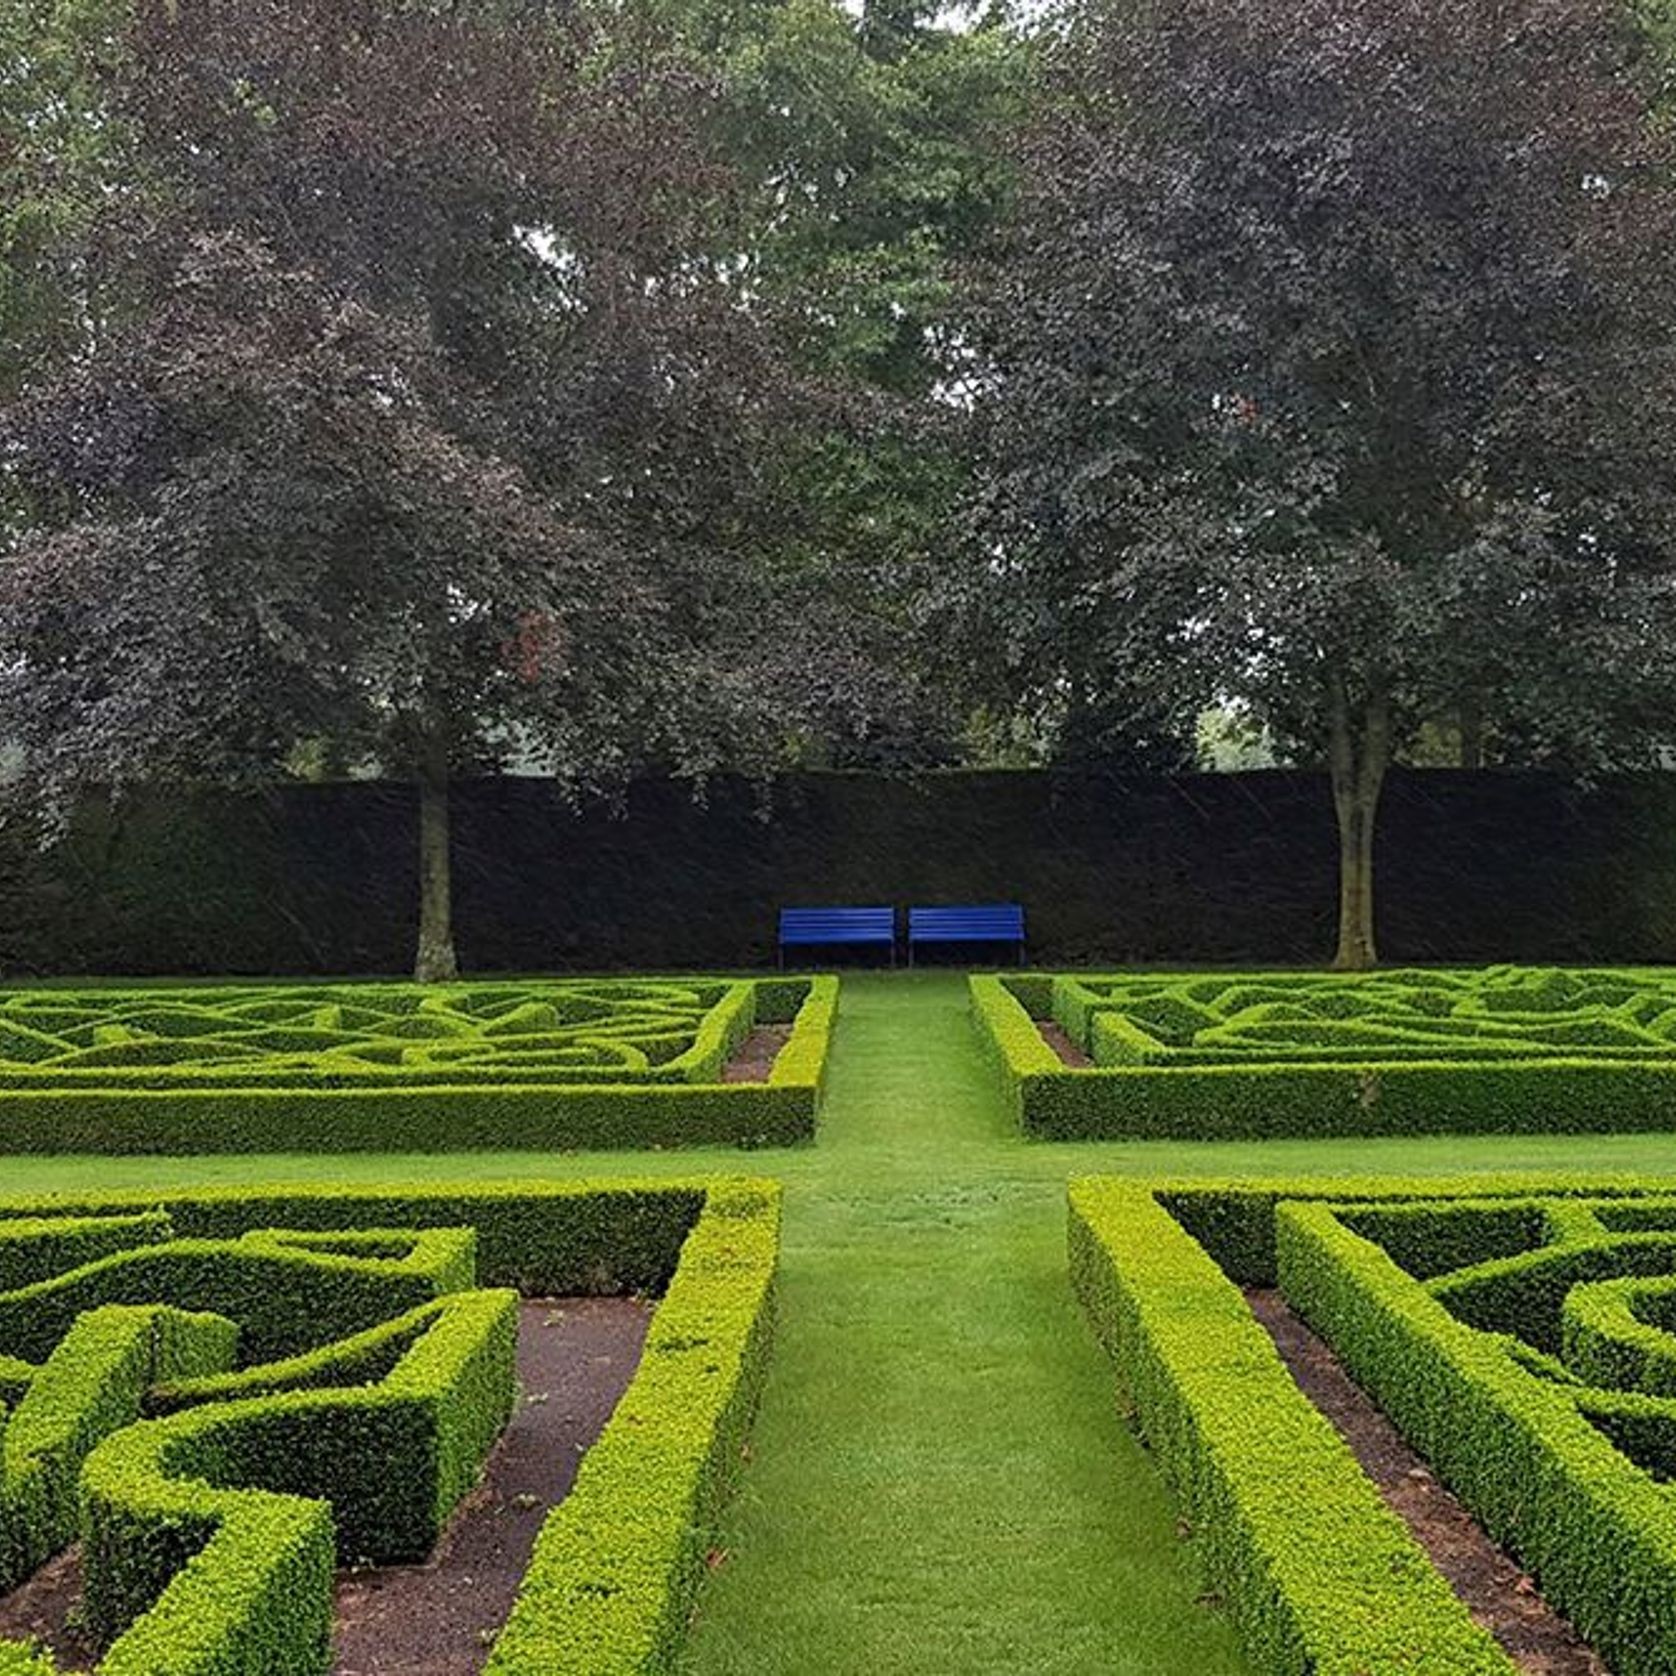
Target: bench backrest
<point>799,926</point>
<point>992,922</point>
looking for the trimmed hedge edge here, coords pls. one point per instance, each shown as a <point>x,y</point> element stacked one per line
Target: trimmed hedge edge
<point>1234,1219</point>
<point>618,1564</point>
<point>1053,1101</point>
<point>561,1117</point>
<point>1518,1449</point>
<point>1320,1577</point>
<point>266,1495</point>
<point>210,1541</point>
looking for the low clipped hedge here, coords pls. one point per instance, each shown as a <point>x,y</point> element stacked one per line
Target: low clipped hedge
<point>1234,1218</point>
<point>19,1660</point>
<point>1608,1344</point>
<point>1294,1535</point>
<point>285,1294</point>
<point>541,1238</point>
<point>618,1564</point>
<point>1318,1574</point>
<point>93,1384</point>
<point>363,1358</point>
<point>544,1031</point>
<point>107,1331</point>
<point>1566,1471</point>
<point>1159,1072</point>
<point>212,1532</point>
<point>322,1103</point>
<point>211,1537</point>
<point>34,1248</point>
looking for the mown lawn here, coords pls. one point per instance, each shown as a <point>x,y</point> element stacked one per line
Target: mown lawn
<point>941,1482</point>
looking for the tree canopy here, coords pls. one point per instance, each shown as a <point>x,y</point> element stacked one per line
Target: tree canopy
<point>703,386</point>
<point>430,409</point>
<point>1326,369</point>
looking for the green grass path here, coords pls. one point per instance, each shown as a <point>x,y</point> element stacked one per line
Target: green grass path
<point>941,1483</point>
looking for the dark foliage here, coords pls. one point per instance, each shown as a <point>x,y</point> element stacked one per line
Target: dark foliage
<point>426,418</point>
<point>1327,368</point>
<point>270,512</point>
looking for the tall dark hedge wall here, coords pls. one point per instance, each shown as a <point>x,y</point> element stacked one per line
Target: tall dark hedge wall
<point>1215,868</point>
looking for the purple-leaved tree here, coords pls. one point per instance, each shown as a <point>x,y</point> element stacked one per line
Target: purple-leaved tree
<point>1327,367</point>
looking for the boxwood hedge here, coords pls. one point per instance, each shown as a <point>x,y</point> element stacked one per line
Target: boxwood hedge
<point>1318,1574</point>
<point>93,1384</point>
<point>557,1065</point>
<point>211,1532</point>
<point>1532,1380</point>
<point>283,1289</point>
<point>210,1537</point>
<point>1219,1055</point>
<point>618,1564</point>
<point>393,1456</point>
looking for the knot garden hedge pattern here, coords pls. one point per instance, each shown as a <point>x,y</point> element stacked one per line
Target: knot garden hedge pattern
<point>370,1035</point>
<point>550,1063</point>
<point>324,1393</point>
<point>1498,1012</point>
<point>228,1395</point>
<point>1520,1332</point>
<point>1248,1054</point>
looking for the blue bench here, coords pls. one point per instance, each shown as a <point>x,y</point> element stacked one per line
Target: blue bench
<point>806,928</point>
<point>996,922</point>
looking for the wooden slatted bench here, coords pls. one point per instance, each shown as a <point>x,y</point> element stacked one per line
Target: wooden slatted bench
<point>994,922</point>
<point>803,928</point>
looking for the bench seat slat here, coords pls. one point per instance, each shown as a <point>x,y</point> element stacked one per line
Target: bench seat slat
<point>812,927</point>
<point>999,922</point>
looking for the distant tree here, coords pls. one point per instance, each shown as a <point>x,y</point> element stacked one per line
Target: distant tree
<point>434,422</point>
<point>870,144</point>
<point>873,141</point>
<point>1326,371</point>
<point>59,160</point>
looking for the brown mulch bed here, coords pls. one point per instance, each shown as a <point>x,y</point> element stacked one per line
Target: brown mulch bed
<point>575,1357</point>
<point>44,1610</point>
<point>1068,1051</point>
<point>755,1056</point>
<point>1496,1592</point>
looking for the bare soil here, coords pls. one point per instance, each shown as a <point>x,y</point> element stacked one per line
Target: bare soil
<point>43,1610</point>
<point>755,1056</point>
<point>1068,1051</point>
<point>1494,1589</point>
<point>575,1358</point>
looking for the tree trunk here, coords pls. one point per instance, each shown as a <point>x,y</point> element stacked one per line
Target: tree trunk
<point>436,962</point>
<point>1360,754</point>
<point>1471,721</point>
